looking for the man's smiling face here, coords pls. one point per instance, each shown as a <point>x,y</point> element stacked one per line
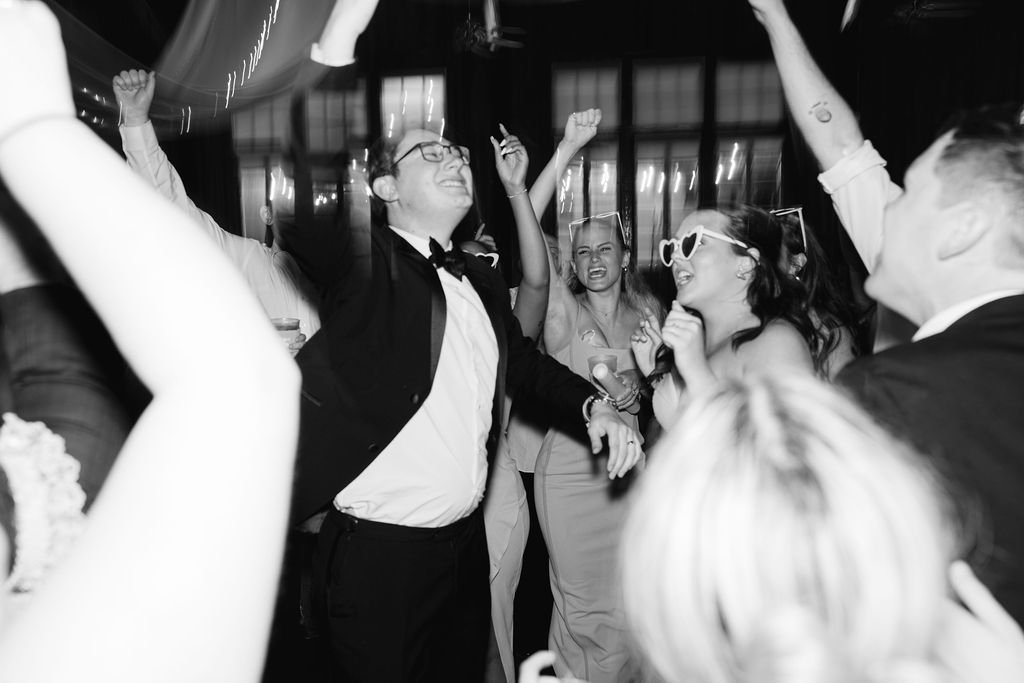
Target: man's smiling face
<point>426,189</point>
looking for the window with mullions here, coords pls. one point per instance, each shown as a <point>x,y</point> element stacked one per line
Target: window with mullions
<point>668,112</point>
<point>412,101</point>
<point>749,170</point>
<point>336,119</point>
<point>576,89</point>
<point>749,113</point>
<point>663,182</point>
<point>666,190</point>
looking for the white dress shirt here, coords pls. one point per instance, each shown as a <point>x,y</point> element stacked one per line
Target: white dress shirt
<point>272,275</point>
<point>434,471</point>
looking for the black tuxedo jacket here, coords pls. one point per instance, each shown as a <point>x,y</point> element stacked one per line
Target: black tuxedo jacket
<point>959,397</point>
<point>372,364</point>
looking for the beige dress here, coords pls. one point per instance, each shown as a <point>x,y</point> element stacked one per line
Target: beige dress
<point>581,514</point>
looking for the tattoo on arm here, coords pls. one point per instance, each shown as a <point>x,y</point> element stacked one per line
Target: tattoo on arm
<point>821,111</point>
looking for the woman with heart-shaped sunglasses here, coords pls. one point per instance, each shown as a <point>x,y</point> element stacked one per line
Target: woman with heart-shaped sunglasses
<point>737,308</point>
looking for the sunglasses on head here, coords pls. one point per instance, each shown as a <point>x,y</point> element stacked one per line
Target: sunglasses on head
<point>686,245</point>
<point>576,224</point>
<point>799,211</point>
<point>491,257</point>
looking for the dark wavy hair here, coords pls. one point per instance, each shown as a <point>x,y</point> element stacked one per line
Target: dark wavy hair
<point>771,293</point>
<point>635,292</point>
<point>833,310</point>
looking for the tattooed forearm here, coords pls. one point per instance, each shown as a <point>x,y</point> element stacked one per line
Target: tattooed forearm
<point>820,111</point>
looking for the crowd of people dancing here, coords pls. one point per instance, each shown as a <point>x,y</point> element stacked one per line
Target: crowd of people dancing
<point>729,486</point>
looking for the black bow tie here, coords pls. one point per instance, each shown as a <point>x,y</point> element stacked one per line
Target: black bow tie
<point>453,261</point>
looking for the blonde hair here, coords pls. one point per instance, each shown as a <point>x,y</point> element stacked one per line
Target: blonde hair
<point>780,535</point>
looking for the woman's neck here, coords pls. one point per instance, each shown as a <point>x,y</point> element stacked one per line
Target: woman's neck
<point>603,305</point>
<point>724,320</point>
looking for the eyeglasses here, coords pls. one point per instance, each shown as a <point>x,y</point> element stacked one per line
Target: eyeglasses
<point>689,243</point>
<point>799,211</point>
<point>434,151</point>
<point>491,257</point>
<point>618,222</point>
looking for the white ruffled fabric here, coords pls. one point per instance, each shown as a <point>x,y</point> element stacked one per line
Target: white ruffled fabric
<point>48,500</point>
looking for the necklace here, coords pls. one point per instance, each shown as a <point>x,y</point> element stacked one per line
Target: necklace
<point>595,316</point>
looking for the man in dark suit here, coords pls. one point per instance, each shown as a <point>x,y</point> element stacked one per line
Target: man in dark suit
<point>947,253</point>
<point>402,393</point>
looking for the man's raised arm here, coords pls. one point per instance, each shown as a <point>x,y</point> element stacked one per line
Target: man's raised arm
<point>854,173</point>
<point>823,117</point>
<point>134,91</point>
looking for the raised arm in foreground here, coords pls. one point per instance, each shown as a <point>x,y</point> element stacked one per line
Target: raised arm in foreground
<point>152,559</point>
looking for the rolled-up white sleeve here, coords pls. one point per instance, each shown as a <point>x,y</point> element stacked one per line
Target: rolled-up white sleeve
<point>861,188</point>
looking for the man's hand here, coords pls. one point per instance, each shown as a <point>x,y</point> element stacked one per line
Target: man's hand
<point>980,643</point>
<point>646,341</point>
<point>580,128</point>
<point>511,160</point>
<point>34,75</point>
<point>133,90</point>
<point>623,441</point>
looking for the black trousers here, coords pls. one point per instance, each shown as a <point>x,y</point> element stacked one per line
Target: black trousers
<point>402,603</point>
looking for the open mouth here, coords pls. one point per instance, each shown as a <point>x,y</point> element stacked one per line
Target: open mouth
<point>683,278</point>
<point>596,272</point>
<point>454,182</point>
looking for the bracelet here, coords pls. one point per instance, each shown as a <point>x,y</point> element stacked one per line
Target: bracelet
<point>628,398</point>
<point>522,191</point>
<point>32,122</point>
<point>588,405</point>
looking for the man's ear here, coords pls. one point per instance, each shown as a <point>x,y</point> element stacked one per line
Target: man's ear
<point>964,225</point>
<point>385,188</point>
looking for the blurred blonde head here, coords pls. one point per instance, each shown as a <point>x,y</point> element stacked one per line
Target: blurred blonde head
<point>780,535</point>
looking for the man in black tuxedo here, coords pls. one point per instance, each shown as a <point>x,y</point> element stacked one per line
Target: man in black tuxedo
<point>402,391</point>
<point>947,253</point>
